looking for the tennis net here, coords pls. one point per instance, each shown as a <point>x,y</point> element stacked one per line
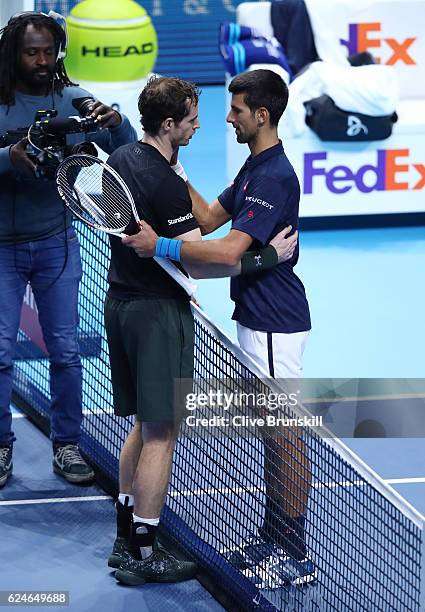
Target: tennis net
<point>366,542</point>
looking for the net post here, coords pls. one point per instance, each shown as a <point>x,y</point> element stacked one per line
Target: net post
<point>422,582</point>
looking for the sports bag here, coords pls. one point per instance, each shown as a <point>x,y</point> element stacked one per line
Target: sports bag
<point>332,123</point>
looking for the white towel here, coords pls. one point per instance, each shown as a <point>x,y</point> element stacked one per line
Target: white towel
<point>371,90</point>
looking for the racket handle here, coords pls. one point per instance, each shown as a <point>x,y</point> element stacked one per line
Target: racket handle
<point>178,276</point>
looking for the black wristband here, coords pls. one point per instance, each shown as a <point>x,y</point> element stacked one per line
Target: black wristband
<point>259,261</point>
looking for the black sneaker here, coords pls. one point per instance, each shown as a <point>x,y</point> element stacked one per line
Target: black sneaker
<point>115,558</point>
<point>121,545</point>
<point>124,519</point>
<point>5,464</point>
<point>68,463</point>
<point>160,566</point>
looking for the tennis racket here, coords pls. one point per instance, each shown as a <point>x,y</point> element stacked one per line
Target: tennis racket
<point>97,195</point>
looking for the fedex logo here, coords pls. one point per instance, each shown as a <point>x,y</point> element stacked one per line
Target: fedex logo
<point>385,175</point>
<point>367,36</point>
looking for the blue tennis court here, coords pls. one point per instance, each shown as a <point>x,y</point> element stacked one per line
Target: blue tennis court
<point>58,537</point>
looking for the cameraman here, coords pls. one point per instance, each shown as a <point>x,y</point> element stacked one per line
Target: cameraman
<point>37,241</point>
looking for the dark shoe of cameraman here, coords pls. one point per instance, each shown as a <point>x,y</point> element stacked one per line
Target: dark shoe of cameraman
<point>6,464</point>
<point>68,463</point>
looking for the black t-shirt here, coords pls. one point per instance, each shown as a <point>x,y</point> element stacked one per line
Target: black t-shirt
<point>162,199</point>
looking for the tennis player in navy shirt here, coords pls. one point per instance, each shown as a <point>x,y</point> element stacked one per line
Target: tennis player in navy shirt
<point>271,308</point>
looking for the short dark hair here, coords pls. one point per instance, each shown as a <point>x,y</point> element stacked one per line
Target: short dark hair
<point>164,97</point>
<point>262,88</point>
<point>10,41</point>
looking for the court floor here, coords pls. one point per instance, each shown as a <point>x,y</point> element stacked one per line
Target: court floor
<point>56,536</point>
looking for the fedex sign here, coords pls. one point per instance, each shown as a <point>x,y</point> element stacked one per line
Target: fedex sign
<point>368,36</point>
<point>388,173</point>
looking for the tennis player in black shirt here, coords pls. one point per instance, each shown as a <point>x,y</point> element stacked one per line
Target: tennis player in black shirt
<point>150,332</point>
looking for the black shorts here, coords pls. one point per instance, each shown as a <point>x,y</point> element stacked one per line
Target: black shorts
<point>151,344</point>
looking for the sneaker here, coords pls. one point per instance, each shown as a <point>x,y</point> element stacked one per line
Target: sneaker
<point>124,520</point>
<point>121,545</point>
<point>251,552</point>
<point>160,566</point>
<point>269,566</point>
<point>280,571</point>
<point>68,463</point>
<point>115,558</point>
<point>6,464</point>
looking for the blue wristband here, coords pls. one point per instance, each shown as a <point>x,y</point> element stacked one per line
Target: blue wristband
<point>161,247</point>
<point>166,247</point>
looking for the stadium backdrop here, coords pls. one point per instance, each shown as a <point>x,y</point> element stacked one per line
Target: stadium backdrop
<point>187,34</point>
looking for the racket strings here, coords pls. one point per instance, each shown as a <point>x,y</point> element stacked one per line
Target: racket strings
<point>98,196</point>
<point>94,194</point>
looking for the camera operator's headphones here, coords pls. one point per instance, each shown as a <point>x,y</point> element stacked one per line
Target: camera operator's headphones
<point>58,19</point>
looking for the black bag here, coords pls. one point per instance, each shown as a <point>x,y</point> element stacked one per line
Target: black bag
<point>331,123</point>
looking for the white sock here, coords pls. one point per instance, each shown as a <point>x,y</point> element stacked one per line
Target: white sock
<point>138,519</point>
<point>125,499</point>
<point>145,551</point>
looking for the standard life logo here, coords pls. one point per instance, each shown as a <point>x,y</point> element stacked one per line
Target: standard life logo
<point>391,170</point>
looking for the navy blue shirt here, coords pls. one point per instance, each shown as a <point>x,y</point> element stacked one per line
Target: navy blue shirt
<point>263,199</point>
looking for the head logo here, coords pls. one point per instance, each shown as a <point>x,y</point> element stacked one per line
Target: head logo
<point>359,40</point>
<point>118,51</point>
<point>384,175</point>
<point>250,214</point>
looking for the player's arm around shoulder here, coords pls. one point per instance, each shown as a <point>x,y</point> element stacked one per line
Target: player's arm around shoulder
<point>214,258</point>
<point>200,258</point>
<point>209,216</point>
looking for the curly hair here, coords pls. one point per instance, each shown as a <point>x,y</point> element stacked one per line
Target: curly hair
<point>10,43</point>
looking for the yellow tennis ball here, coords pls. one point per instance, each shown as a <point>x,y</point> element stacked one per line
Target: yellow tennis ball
<point>110,41</point>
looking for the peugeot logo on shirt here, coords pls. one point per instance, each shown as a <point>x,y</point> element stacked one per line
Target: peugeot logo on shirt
<point>254,200</point>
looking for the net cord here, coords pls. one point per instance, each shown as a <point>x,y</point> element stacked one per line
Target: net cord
<point>422,586</point>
